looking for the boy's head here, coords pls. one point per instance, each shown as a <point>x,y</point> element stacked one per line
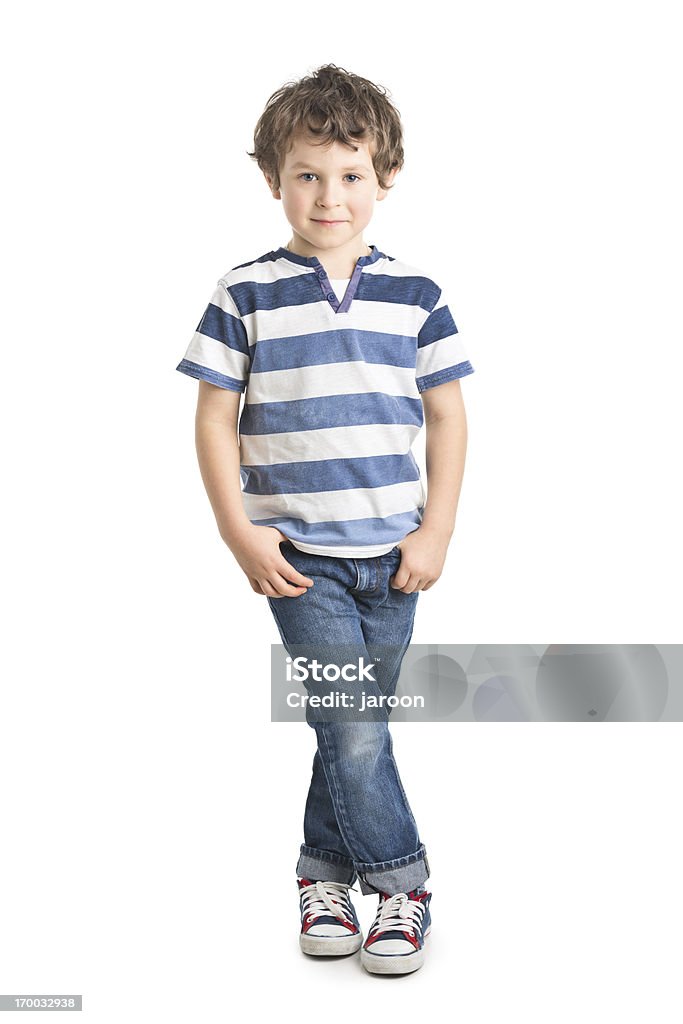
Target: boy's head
<point>329,146</point>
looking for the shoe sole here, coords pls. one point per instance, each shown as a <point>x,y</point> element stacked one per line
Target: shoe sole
<point>375,963</point>
<point>322,945</point>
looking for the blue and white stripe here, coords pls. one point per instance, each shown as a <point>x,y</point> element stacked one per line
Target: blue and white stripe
<point>333,393</point>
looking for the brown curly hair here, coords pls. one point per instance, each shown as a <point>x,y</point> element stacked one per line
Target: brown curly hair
<point>335,105</point>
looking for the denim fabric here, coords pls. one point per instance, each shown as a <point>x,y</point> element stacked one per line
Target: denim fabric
<point>357,821</point>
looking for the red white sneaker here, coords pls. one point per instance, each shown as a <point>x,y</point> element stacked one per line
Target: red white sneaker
<point>395,942</point>
<point>329,925</point>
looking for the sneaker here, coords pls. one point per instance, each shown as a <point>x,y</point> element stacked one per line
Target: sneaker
<point>395,942</point>
<point>329,925</point>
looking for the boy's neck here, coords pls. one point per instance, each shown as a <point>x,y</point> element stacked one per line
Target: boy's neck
<point>338,262</point>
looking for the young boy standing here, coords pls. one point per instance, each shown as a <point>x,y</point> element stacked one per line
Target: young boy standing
<point>343,352</point>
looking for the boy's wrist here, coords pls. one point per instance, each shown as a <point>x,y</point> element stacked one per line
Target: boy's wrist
<point>441,529</point>
<point>236,531</point>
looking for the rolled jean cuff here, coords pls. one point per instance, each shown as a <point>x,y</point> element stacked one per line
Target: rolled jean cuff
<point>401,875</point>
<point>325,866</point>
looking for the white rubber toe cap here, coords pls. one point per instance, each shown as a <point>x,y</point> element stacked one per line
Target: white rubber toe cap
<point>391,947</point>
<point>327,930</point>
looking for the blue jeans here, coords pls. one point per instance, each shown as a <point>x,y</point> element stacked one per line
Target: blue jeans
<point>357,821</point>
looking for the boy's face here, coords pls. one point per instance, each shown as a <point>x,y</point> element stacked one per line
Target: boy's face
<point>331,183</point>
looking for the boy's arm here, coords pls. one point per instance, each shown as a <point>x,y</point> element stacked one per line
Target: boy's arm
<point>445,448</point>
<point>218,454</point>
<point>256,548</point>
<point>423,552</point>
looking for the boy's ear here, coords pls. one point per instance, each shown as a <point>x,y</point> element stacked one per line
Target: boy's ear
<point>382,193</point>
<point>269,181</point>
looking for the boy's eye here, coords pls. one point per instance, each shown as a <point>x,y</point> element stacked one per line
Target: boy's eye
<point>309,174</point>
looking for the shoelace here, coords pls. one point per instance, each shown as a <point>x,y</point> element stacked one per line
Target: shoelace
<point>317,900</point>
<point>398,912</point>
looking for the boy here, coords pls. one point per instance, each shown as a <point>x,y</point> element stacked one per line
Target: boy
<point>344,352</point>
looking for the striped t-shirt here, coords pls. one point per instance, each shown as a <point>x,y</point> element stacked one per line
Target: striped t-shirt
<point>332,393</point>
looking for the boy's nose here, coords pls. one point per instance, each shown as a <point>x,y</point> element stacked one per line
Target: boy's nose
<point>327,197</point>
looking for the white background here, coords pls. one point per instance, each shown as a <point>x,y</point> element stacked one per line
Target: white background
<point>151,813</point>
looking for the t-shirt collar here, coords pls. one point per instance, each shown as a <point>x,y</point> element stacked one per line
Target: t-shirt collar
<point>313,261</point>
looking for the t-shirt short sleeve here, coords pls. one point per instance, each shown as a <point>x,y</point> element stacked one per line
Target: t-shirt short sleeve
<point>219,349</point>
<point>441,354</point>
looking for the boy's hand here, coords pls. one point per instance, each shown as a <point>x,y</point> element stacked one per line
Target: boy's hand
<point>257,549</point>
<point>423,553</point>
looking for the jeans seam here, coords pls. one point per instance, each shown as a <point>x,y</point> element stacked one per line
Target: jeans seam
<point>392,865</point>
<point>394,767</point>
<point>338,804</point>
